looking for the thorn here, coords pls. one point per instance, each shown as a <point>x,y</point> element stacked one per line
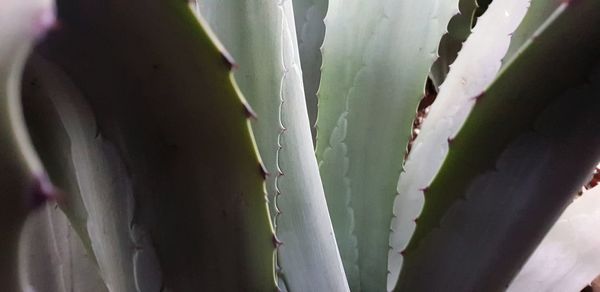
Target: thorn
<point>403,253</point>
<point>425,189</point>
<point>570,2</point>
<point>416,220</point>
<point>42,191</point>
<point>45,21</point>
<point>249,112</point>
<point>280,173</point>
<point>450,141</point>
<point>228,60</point>
<point>479,97</point>
<point>263,171</point>
<point>276,242</point>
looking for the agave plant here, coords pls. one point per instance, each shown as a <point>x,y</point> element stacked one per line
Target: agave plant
<point>305,145</point>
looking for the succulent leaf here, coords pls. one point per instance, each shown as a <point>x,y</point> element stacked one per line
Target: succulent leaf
<point>475,68</point>
<point>98,194</point>
<point>176,119</point>
<point>310,31</point>
<point>569,256</point>
<point>459,29</point>
<point>527,147</point>
<point>372,80</point>
<point>261,36</point>
<point>538,13</point>
<point>23,182</point>
<point>52,256</point>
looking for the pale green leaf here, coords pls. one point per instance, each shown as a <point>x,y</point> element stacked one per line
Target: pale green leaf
<point>569,256</point>
<point>98,194</point>
<point>475,68</point>
<point>53,258</point>
<point>261,36</point>
<point>537,14</point>
<point>23,182</point>
<point>310,31</point>
<point>459,29</point>
<point>526,148</point>
<point>376,58</point>
<point>161,92</point>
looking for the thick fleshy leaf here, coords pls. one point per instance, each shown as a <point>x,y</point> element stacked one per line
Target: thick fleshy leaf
<point>459,29</point>
<point>53,258</point>
<point>23,182</point>
<point>376,58</point>
<point>475,68</point>
<point>537,14</point>
<point>261,37</point>
<point>569,256</point>
<point>161,92</point>
<point>310,31</point>
<point>98,193</point>
<point>527,147</point>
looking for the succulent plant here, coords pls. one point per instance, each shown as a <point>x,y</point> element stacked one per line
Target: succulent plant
<point>300,145</point>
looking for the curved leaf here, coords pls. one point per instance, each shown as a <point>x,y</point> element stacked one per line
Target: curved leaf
<point>475,68</point>
<point>98,194</point>
<point>23,182</point>
<point>487,208</point>
<point>537,14</point>
<point>53,258</point>
<point>376,58</point>
<point>310,32</point>
<point>260,35</point>
<point>569,256</point>
<point>459,29</point>
<point>162,94</point>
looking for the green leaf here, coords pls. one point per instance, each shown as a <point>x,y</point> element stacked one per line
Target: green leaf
<point>475,68</point>
<point>23,182</point>
<point>53,258</point>
<point>310,31</point>
<point>526,148</point>
<point>98,194</point>
<point>569,256</point>
<point>537,14</point>
<point>376,58</point>
<point>162,93</point>
<point>261,36</point>
<point>459,29</point>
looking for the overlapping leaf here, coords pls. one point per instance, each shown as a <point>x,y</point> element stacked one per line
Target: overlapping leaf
<point>376,58</point>
<point>23,182</point>
<point>261,37</point>
<point>526,148</point>
<point>475,68</point>
<point>162,95</point>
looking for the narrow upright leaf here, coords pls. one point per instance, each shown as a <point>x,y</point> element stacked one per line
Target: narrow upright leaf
<point>310,31</point>
<point>261,37</point>
<point>376,58</point>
